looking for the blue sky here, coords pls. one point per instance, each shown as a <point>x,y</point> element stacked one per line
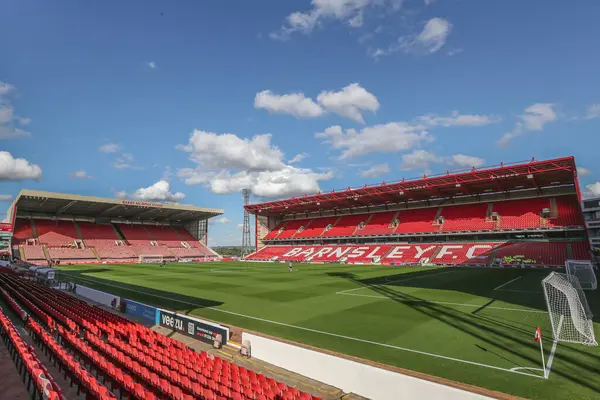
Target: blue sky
<point>192,101</point>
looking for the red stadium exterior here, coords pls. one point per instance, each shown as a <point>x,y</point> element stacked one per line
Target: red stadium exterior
<point>524,213</point>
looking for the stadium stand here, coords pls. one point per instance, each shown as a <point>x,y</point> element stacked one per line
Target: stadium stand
<point>448,253</point>
<point>135,361</point>
<point>80,229</point>
<point>521,213</point>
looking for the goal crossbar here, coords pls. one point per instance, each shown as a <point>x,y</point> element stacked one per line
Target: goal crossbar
<point>150,258</point>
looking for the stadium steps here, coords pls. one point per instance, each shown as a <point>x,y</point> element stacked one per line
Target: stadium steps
<point>366,223</point>
<point>305,226</point>
<point>553,208</point>
<point>95,253</point>
<point>177,233</point>
<point>395,217</point>
<point>570,251</point>
<point>492,256</point>
<point>488,213</point>
<point>435,252</point>
<point>46,253</point>
<point>79,232</point>
<point>33,228</point>
<point>332,226</point>
<point>150,235</point>
<point>119,233</point>
<point>21,252</point>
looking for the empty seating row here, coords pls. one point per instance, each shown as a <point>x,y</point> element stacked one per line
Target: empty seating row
<point>33,370</point>
<point>504,215</point>
<point>448,253</point>
<point>156,364</point>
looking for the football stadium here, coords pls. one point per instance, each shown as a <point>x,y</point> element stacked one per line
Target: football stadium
<point>472,284</point>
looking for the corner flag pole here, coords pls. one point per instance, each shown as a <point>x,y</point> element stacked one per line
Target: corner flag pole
<point>538,338</point>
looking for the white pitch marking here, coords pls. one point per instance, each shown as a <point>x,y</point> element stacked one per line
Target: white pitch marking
<point>511,281</point>
<point>324,332</point>
<point>445,303</point>
<point>398,280</point>
<point>519,291</point>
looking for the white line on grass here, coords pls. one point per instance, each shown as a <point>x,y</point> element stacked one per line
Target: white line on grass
<point>322,332</point>
<point>511,281</point>
<point>444,303</point>
<point>395,281</point>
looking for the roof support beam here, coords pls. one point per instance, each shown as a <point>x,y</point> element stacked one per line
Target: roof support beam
<point>109,209</point>
<point>65,207</point>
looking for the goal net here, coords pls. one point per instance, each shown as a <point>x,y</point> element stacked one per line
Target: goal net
<point>569,312</point>
<point>151,258</point>
<point>583,270</point>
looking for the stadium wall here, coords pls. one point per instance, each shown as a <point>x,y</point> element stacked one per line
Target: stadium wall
<point>350,376</point>
<point>97,296</point>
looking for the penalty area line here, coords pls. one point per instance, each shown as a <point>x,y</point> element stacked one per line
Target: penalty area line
<point>395,281</point>
<point>506,283</point>
<point>325,332</point>
<point>444,303</point>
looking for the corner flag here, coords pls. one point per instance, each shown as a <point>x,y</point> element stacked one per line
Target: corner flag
<point>538,334</point>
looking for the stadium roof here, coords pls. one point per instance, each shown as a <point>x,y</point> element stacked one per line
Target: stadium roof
<point>498,179</point>
<point>60,204</point>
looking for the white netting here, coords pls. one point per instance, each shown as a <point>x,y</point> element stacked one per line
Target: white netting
<point>569,312</point>
<point>583,270</point>
<point>151,258</point>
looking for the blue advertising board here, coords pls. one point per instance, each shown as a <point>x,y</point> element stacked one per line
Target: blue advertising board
<point>141,310</point>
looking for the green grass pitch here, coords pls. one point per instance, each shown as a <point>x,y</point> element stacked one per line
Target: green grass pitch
<point>469,325</point>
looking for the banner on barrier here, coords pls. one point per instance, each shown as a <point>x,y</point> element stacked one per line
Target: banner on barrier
<point>198,329</point>
<point>141,310</point>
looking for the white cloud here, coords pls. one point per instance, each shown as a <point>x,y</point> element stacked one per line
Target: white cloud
<point>127,156</point>
<point>384,138</point>
<point>295,104</point>
<point>6,197</point>
<point>593,111</point>
<point>109,148</point>
<point>121,195</point>
<point>10,132</point>
<point>593,190</point>
<point>240,226</point>
<point>17,169</point>
<point>286,182</point>
<point>430,40</point>
<point>220,221</point>
<point>533,119</point>
<point>322,10</point>
<point>223,151</point>
<point>6,114</point>
<point>422,160</point>
<point>6,88</point>
<point>228,163</point>
<point>419,160</point>
<point>583,172</point>
<point>349,102</point>
<point>466,161</point>
<point>80,174</point>
<point>375,170</point>
<point>8,119</point>
<point>158,192</point>
<point>457,119</point>
<point>151,65</point>
<point>351,12</point>
<point>297,158</point>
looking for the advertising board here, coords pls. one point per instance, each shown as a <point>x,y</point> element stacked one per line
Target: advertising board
<point>198,329</point>
<point>141,310</point>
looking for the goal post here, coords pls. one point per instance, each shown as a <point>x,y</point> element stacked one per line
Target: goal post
<point>150,258</point>
<point>568,309</point>
<point>583,270</point>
